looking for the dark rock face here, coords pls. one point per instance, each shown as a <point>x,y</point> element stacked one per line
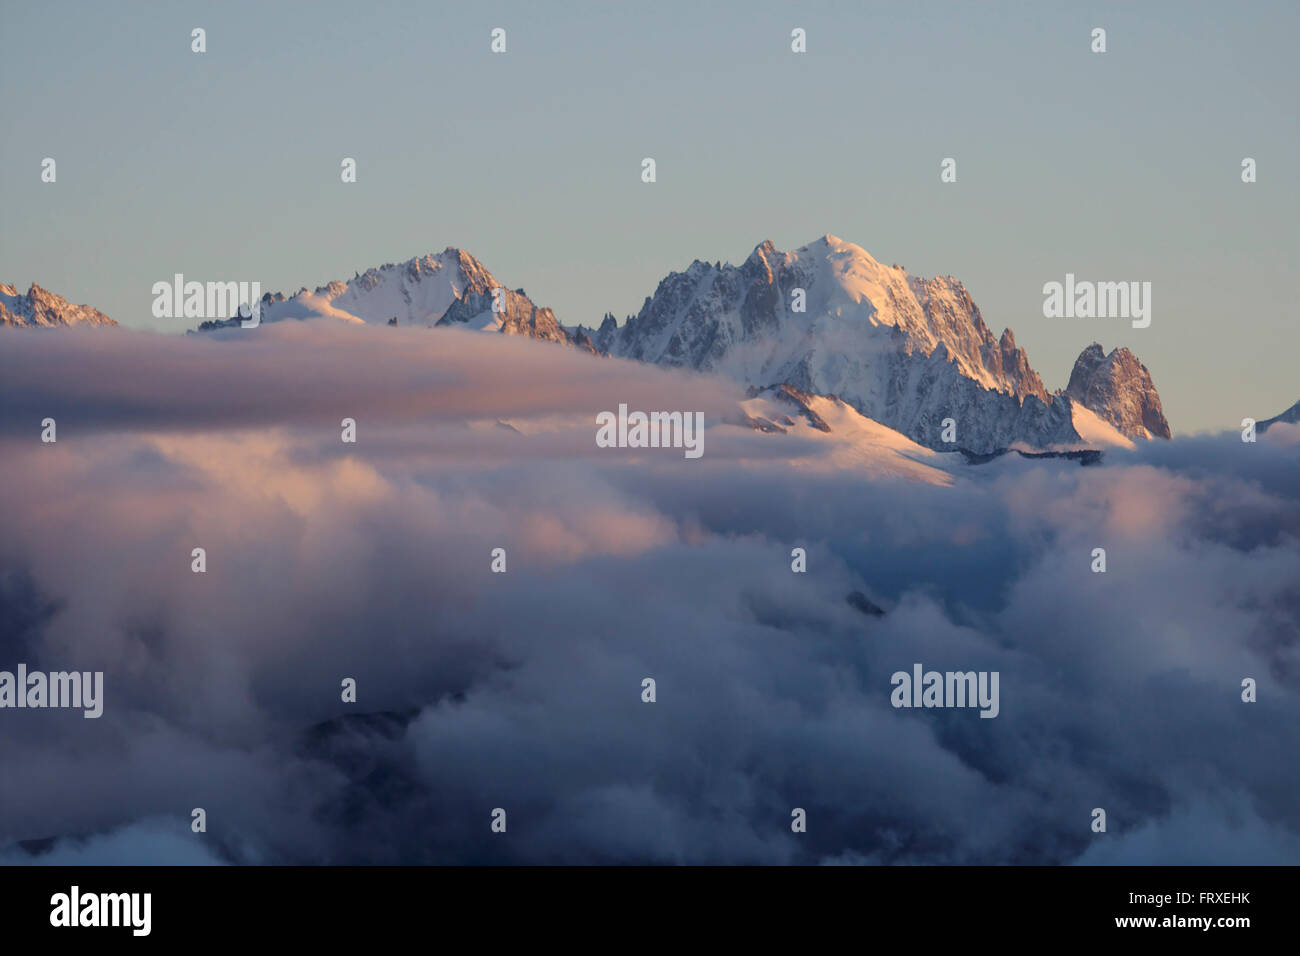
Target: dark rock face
<point>860,602</point>
<point>1119,389</point>
<point>1290,416</point>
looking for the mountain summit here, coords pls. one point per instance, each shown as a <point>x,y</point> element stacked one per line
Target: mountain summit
<point>451,288</point>
<point>908,352</point>
<point>1118,388</point>
<point>40,308</point>
<point>743,319</point>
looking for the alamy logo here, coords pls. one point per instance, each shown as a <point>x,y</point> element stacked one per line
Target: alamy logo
<point>950,689</point>
<point>1098,300</point>
<point>103,909</point>
<point>656,430</point>
<point>211,300</point>
<point>84,690</point>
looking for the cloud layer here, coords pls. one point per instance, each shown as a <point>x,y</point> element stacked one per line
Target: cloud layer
<point>522,690</point>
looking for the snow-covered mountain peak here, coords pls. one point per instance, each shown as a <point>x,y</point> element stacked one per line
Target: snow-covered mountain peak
<point>825,317</point>
<point>829,244</point>
<point>830,319</point>
<point>451,288</point>
<point>418,291</point>
<point>42,308</point>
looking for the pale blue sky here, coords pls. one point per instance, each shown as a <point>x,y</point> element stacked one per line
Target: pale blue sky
<point>1115,166</point>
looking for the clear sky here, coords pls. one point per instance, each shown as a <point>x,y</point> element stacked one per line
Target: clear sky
<point>1117,166</point>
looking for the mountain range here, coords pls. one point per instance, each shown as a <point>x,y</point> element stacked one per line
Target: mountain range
<point>913,354</point>
<point>826,319</point>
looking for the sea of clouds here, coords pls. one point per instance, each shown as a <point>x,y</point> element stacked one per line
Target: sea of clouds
<point>522,690</point>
